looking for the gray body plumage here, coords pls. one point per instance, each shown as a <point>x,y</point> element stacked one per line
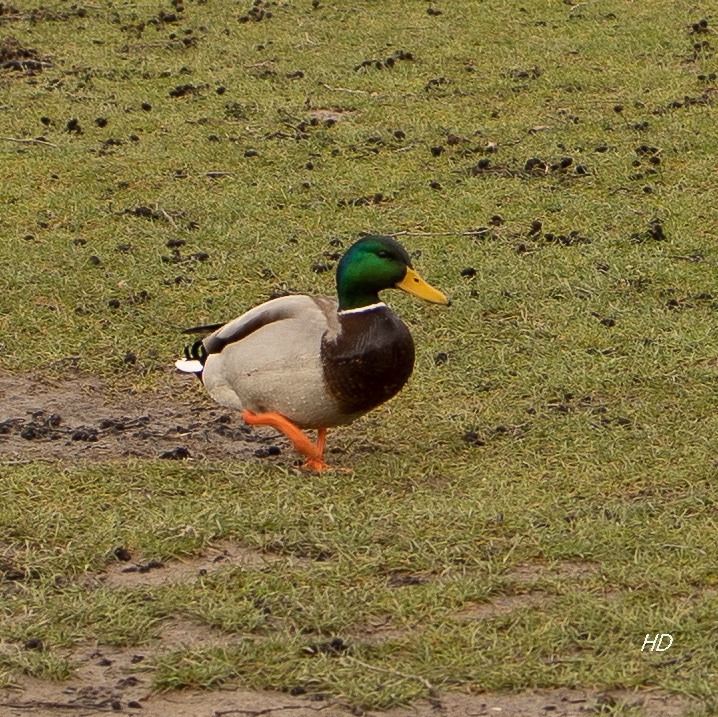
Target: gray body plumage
<point>269,360</point>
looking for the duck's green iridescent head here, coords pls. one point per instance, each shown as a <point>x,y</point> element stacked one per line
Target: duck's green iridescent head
<point>375,263</point>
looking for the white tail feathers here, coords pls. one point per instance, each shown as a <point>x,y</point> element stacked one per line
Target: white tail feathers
<point>188,366</point>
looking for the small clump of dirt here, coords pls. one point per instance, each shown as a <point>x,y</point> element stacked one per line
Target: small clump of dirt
<point>377,198</point>
<point>43,13</point>
<point>7,8</point>
<point>184,90</point>
<point>13,56</point>
<point>389,62</point>
<point>256,13</point>
<point>516,73</point>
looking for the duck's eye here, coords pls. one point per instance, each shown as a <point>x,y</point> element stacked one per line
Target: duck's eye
<point>383,254</point>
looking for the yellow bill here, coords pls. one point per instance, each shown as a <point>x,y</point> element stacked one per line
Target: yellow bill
<point>413,284</point>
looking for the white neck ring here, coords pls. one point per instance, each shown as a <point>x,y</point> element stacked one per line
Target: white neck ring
<point>361,309</point>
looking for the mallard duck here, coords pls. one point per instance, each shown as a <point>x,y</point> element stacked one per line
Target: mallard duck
<point>314,362</point>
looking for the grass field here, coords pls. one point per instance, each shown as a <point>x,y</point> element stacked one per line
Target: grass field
<point>551,167</point>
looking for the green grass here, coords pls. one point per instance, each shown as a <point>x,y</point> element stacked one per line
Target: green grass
<point>584,370</point>
<point>651,570</point>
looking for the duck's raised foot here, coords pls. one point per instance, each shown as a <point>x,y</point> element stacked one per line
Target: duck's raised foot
<point>313,453</point>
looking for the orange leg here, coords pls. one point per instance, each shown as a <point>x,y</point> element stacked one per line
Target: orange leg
<point>301,443</point>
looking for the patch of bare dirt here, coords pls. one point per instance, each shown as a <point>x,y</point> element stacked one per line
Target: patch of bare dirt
<point>563,570</point>
<point>11,49</point>
<point>502,604</point>
<point>122,690</point>
<point>330,116</point>
<point>13,56</point>
<point>7,8</point>
<point>79,419</point>
<point>139,574</point>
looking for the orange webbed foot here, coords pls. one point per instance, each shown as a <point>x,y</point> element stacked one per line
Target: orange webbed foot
<point>313,453</point>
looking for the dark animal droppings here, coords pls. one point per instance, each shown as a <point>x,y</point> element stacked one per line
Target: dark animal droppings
<point>655,230</point>
<point>533,164</point>
<point>320,268</point>
<point>176,454</point>
<point>123,554</point>
<point>182,90</point>
<point>268,451</point>
<point>89,435</point>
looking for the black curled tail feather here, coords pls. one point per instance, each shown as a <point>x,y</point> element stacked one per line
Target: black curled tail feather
<point>196,352</point>
<point>197,355</point>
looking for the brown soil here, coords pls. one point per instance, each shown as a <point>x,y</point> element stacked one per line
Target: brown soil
<point>11,49</point>
<point>119,689</point>
<point>79,419</point>
<point>220,555</point>
<point>563,570</point>
<point>7,8</point>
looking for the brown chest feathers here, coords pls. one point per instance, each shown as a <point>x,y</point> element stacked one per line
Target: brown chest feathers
<point>369,361</point>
